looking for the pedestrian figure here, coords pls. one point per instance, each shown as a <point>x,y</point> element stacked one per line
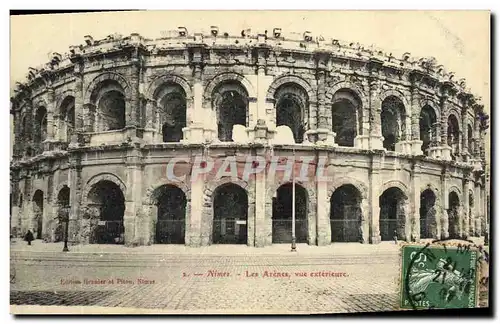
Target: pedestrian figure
<point>29,237</point>
<point>395,237</point>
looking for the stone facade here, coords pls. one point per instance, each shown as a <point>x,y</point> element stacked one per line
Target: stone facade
<point>402,138</point>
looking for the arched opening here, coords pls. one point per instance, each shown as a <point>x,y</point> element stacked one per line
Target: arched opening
<point>453,215</point>
<point>291,104</point>
<point>171,215</point>
<point>346,116</point>
<point>67,118</point>
<point>62,208</point>
<point>392,214</point>
<point>231,105</point>
<point>111,111</point>
<point>453,136</point>
<point>40,129</point>
<point>282,214</point>
<point>172,112</point>
<point>230,215</point>
<point>393,122</point>
<point>427,127</point>
<point>38,213</point>
<point>108,199</point>
<point>428,225</point>
<point>470,139</point>
<point>345,214</point>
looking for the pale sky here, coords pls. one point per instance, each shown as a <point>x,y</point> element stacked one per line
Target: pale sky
<point>459,40</point>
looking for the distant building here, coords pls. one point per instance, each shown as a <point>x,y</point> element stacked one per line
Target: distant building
<point>94,130</point>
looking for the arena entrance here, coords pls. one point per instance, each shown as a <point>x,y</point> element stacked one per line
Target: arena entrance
<point>171,216</point>
<point>62,211</point>
<point>282,214</point>
<point>453,216</point>
<point>38,213</point>
<point>345,214</point>
<point>427,214</point>
<point>109,200</point>
<point>392,214</point>
<point>230,215</point>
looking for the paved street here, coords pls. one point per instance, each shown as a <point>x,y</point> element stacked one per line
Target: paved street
<point>338,278</point>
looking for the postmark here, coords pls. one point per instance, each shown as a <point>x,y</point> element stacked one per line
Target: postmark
<point>443,274</point>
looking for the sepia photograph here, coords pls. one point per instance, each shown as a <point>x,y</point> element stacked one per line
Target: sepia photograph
<point>250,162</point>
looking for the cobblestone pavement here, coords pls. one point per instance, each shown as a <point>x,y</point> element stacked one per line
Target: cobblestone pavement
<point>265,281</point>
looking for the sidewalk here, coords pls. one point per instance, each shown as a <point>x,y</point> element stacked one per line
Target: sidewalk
<point>345,249</point>
<point>38,246</point>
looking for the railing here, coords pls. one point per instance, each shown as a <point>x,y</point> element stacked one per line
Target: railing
<point>282,230</point>
<point>109,232</point>
<point>230,231</point>
<point>346,230</point>
<point>170,231</point>
<point>388,228</point>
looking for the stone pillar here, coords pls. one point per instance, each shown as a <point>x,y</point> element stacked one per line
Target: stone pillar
<point>27,204</point>
<point>445,178</point>
<point>79,108</point>
<point>133,198</point>
<point>465,135</point>
<point>14,216</point>
<point>194,132</point>
<point>477,203</point>
<point>416,143</point>
<point>375,182</point>
<point>132,103</point>
<point>193,231</point>
<point>259,107</point>
<point>18,140</point>
<point>464,216</point>
<point>376,138</point>
<point>414,221</point>
<point>325,135</point>
<point>324,235</point>
<point>75,225</point>
<point>263,226</point>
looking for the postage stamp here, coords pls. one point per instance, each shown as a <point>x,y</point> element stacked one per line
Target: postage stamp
<point>442,274</point>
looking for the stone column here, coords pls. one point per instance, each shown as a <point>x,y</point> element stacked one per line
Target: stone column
<point>324,235</point>
<point>464,216</point>
<point>18,140</point>
<point>375,182</point>
<point>262,213</point>
<point>75,228</point>
<point>325,135</point>
<point>194,132</point>
<point>465,135</point>
<point>376,139</point>
<point>416,143</point>
<point>79,108</point>
<point>477,204</point>
<point>445,178</point>
<point>132,105</point>
<point>414,221</point>
<point>14,216</point>
<point>133,198</point>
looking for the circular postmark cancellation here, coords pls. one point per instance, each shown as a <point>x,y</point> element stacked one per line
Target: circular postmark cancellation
<point>449,273</point>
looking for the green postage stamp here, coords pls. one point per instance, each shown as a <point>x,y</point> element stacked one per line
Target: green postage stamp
<point>439,276</point>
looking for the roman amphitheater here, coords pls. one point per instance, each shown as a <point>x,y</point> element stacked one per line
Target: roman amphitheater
<point>404,142</point>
